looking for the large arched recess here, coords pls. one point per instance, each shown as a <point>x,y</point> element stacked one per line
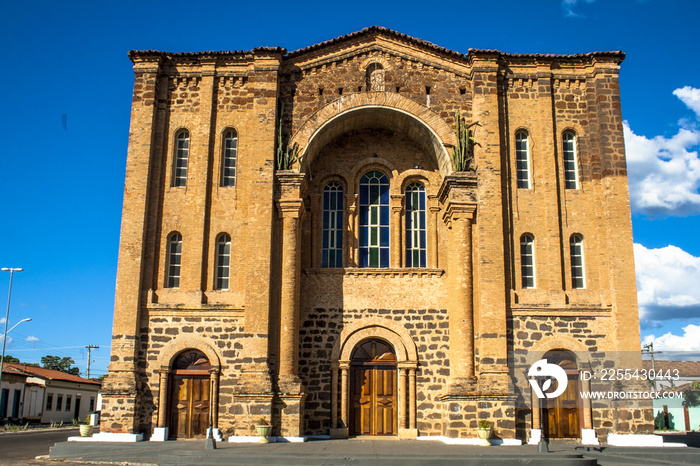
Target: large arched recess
<point>385,110</point>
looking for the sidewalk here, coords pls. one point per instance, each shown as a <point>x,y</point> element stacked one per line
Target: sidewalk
<point>363,451</point>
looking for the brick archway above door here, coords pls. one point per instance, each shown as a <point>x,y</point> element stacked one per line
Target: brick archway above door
<point>375,327</point>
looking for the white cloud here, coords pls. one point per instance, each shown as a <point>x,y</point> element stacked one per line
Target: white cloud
<point>691,97</point>
<point>568,6</point>
<point>2,321</point>
<point>689,341</point>
<point>667,284</point>
<point>664,173</point>
<point>32,339</point>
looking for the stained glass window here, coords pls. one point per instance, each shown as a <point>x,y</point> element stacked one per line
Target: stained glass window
<point>374,220</point>
<point>415,226</point>
<point>332,248</point>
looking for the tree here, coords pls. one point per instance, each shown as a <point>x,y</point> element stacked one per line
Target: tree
<point>9,358</point>
<point>58,363</point>
<point>691,395</point>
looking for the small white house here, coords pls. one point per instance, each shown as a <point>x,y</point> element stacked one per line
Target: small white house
<point>46,395</point>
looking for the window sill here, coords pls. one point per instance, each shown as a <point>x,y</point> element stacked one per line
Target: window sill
<point>370,272</point>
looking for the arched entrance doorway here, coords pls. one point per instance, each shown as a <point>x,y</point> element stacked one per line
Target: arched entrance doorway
<point>373,389</point>
<point>190,395</point>
<point>562,412</point>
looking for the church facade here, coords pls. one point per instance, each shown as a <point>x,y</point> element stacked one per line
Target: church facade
<point>311,237</point>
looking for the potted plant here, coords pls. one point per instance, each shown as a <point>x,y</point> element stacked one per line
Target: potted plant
<point>484,431</point>
<point>263,427</point>
<point>86,428</point>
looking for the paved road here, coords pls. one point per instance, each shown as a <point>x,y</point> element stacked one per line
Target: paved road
<point>23,447</point>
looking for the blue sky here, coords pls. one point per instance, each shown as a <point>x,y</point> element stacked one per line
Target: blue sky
<point>62,185</point>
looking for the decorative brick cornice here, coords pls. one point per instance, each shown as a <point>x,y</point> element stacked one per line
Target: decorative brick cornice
<point>290,191</point>
<point>458,196</point>
<point>460,186</point>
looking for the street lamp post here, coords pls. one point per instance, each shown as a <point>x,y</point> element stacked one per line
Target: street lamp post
<point>12,271</point>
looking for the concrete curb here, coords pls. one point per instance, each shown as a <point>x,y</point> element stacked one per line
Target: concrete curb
<point>34,431</point>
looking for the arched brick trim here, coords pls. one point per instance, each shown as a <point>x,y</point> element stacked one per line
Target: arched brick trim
<point>417,175</point>
<point>560,342</point>
<point>441,134</point>
<point>167,356</point>
<point>375,327</point>
<point>374,332</point>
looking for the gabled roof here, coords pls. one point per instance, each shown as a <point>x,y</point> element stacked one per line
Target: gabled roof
<point>379,30</point>
<point>685,368</point>
<point>8,369</point>
<point>50,374</point>
<point>374,31</point>
<point>678,389</point>
<point>371,31</point>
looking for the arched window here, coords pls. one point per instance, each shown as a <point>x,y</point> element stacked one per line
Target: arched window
<point>522,159</point>
<point>527,260</point>
<point>223,261</point>
<point>228,158</point>
<point>577,266</point>
<point>570,162</point>
<point>415,225</point>
<point>374,220</point>
<point>332,248</point>
<point>182,152</point>
<point>375,77</point>
<point>174,260</point>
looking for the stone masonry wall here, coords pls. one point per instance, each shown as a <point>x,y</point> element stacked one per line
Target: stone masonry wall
<point>226,336</point>
<point>588,337</point>
<point>318,333</point>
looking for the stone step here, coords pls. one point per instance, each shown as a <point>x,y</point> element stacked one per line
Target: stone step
<point>226,457</point>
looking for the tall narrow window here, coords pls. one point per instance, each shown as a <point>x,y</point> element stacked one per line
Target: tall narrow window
<point>522,159</point>
<point>374,220</point>
<point>415,225</point>
<point>174,260</point>
<point>182,153</point>
<point>228,161</point>
<point>332,247</point>
<point>577,267</point>
<point>527,260</point>
<point>570,163</point>
<point>223,261</point>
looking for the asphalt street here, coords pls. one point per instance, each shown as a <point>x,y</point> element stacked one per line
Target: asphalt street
<point>23,447</point>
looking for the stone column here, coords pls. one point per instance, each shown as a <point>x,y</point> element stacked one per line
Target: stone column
<point>458,195</point>
<point>214,375</point>
<point>160,433</point>
<point>339,431</point>
<point>316,229</point>
<point>396,227</point>
<point>163,397</point>
<point>433,208</point>
<point>290,207</point>
<point>535,410</point>
<point>290,192</point>
<point>412,398</point>
<point>402,398</point>
<point>344,393</point>
<point>587,420</point>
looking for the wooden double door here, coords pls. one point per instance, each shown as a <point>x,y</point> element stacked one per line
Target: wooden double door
<point>190,401</point>
<point>562,412</point>
<point>373,389</point>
